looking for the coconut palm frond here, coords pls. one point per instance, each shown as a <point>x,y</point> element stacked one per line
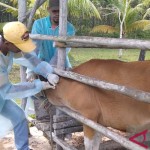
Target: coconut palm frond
<point>141,24</point>
<point>138,9</point>
<point>146,2</point>
<point>131,16</point>
<point>147,13</point>
<point>103,29</point>
<point>84,7</point>
<point>8,7</point>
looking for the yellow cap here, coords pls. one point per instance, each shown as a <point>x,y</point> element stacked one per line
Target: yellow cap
<point>13,32</point>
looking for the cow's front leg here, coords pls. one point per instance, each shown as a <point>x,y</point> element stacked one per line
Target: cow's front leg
<point>92,139</point>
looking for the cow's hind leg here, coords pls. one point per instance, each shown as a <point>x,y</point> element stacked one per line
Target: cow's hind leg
<point>92,139</point>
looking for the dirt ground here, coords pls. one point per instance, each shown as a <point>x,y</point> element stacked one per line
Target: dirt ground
<point>37,141</point>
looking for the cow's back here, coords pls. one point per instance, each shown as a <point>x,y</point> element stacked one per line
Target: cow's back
<point>134,74</point>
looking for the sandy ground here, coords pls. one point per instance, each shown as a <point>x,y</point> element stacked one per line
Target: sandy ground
<point>37,141</point>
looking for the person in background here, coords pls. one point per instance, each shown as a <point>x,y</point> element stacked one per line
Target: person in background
<point>15,42</point>
<point>50,26</point>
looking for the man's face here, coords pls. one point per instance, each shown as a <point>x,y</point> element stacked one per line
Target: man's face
<point>54,13</point>
<point>11,47</point>
<point>8,46</point>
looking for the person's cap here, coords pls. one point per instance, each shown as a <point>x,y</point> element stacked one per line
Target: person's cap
<point>13,32</point>
<point>54,4</point>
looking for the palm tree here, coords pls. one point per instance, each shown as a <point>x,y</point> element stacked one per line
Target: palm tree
<point>75,7</point>
<point>85,7</point>
<point>128,16</point>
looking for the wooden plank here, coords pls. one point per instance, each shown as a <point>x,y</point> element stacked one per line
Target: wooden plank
<point>40,111</point>
<point>43,126</point>
<point>95,42</point>
<point>68,130</point>
<point>22,8</point>
<point>61,118</point>
<point>70,123</point>
<point>60,142</point>
<point>62,51</point>
<point>105,131</point>
<point>62,32</point>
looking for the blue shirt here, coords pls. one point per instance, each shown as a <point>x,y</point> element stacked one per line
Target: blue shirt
<point>46,51</point>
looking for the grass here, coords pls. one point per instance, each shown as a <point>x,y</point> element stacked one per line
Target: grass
<point>78,56</point>
<point>1,26</point>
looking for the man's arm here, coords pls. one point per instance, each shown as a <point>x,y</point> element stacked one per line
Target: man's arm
<point>21,90</point>
<point>31,61</point>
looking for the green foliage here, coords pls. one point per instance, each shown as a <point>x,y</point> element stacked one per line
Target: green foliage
<point>100,34</point>
<point>1,26</point>
<point>139,34</point>
<point>78,56</point>
<point>83,30</point>
<point>82,7</point>
<point>75,7</point>
<point>133,18</point>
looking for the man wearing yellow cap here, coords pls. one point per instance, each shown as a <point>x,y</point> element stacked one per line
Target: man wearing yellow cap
<point>15,40</point>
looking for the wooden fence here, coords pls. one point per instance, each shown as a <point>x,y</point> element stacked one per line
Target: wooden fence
<point>85,42</point>
<point>134,93</point>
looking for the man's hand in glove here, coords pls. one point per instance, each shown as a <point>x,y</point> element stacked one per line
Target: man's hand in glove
<point>46,86</point>
<point>53,79</point>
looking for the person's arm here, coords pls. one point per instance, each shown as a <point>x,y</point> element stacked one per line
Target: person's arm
<point>21,90</point>
<point>31,61</point>
<point>36,29</point>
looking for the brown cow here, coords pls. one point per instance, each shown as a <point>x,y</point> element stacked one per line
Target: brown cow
<point>107,108</point>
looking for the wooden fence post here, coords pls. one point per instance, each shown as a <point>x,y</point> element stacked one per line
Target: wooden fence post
<point>142,55</point>
<point>61,51</point>
<point>22,8</point>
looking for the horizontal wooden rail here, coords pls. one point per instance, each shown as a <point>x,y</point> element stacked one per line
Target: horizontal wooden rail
<point>95,42</point>
<point>136,94</point>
